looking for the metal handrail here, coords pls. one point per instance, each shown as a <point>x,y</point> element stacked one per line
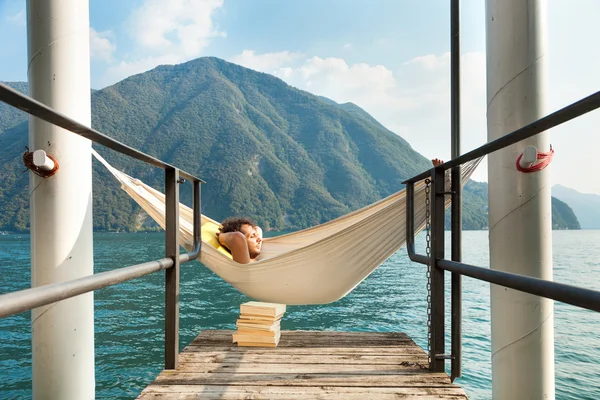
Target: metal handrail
<point>42,111</point>
<point>28,299</point>
<point>24,300</point>
<point>577,296</point>
<point>573,295</point>
<point>410,226</point>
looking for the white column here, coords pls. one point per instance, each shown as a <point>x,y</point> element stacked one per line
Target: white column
<point>520,210</point>
<point>61,206</point>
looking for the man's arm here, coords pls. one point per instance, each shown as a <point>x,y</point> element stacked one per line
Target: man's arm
<point>236,243</point>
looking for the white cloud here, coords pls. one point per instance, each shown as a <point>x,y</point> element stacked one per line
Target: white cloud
<point>101,46</point>
<point>18,18</point>
<point>370,86</point>
<point>429,62</point>
<point>427,79</point>
<point>268,62</point>
<point>348,46</point>
<point>364,84</point>
<point>165,32</point>
<point>186,24</point>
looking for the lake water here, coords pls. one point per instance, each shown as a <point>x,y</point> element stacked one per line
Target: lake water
<point>130,317</point>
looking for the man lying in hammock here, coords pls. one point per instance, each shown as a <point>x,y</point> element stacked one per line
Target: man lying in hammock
<point>244,238</point>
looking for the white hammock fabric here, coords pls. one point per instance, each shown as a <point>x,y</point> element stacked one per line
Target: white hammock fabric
<point>318,265</point>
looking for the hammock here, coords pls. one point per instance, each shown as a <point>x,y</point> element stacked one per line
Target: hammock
<point>318,265</point>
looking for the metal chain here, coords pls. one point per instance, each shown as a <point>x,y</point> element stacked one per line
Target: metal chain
<point>428,252</point>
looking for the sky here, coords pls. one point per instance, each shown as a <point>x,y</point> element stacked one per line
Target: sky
<point>390,57</point>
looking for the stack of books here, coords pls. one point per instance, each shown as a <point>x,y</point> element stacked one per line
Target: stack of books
<point>259,324</point>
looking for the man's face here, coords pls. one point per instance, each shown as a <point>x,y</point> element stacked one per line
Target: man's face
<point>253,239</point>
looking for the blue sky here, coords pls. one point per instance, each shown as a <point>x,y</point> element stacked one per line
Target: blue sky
<point>389,57</point>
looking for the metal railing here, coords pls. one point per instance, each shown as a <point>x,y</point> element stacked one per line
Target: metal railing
<point>456,212</point>
<point>24,300</point>
<point>580,297</point>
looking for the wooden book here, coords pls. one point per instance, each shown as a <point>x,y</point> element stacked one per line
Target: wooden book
<point>260,318</point>
<point>265,318</point>
<point>255,338</point>
<point>259,308</point>
<point>259,326</point>
<point>245,331</point>
<point>250,344</point>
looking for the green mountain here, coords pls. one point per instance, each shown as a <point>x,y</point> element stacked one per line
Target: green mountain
<point>475,205</point>
<point>475,209</point>
<point>586,206</point>
<point>280,155</point>
<point>563,216</point>
<point>10,116</point>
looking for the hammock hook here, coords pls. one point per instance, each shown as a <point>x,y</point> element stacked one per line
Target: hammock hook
<point>533,161</point>
<point>40,163</point>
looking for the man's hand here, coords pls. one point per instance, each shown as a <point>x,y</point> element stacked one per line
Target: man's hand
<point>436,162</point>
<point>236,243</point>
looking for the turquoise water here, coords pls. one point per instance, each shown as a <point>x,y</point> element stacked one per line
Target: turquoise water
<point>130,317</point>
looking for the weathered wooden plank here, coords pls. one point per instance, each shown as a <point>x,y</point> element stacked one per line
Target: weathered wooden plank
<point>305,365</point>
<point>398,335</point>
<point>357,342</point>
<point>169,377</point>
<point>418,391</point>
<point>291,358</point>
<point>300,393</point>
<point>286,341</point>
<point>310,338</point>
<point>321,334</point>
<point>269,395</point>
<point>233,349</point>
<point>261,368</point>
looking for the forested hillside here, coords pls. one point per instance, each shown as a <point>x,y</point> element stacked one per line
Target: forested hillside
<point>563,216</point>
<point>585,206</point>
<point>285,157</point>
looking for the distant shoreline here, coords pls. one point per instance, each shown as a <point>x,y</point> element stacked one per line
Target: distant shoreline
<point>267,234</point>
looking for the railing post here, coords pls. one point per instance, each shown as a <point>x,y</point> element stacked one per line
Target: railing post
<point>172,274</point>
<point>456,213</point>
<point>456,279</point>
<point>410,215</point>
<point>197,215</point>
<point>437,344</point>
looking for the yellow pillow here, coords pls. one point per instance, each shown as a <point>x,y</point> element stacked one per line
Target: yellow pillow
<point>209,235</point>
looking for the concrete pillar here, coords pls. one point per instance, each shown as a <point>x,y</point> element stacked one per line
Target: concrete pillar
<point>520,217</point>
<point>61,206</point>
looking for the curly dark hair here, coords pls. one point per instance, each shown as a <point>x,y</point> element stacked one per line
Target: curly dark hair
<point>234,224</point>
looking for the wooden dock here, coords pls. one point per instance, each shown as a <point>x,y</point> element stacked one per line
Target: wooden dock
<point>305,365</point>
